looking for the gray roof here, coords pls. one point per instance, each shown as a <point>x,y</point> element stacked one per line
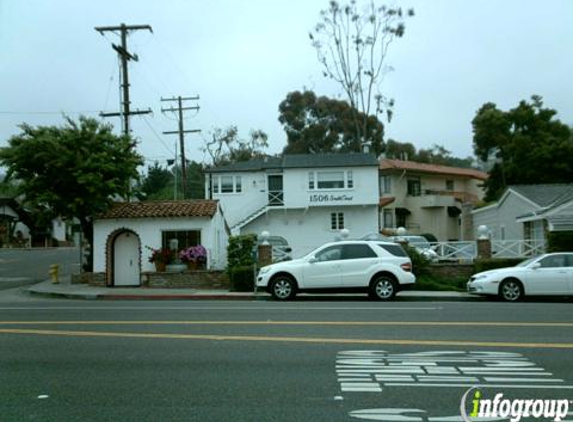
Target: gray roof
<point>299,161</point>
<point>550,195</point>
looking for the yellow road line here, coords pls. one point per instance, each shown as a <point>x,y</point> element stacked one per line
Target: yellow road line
<point>302,323</point>
<point>313,340</point>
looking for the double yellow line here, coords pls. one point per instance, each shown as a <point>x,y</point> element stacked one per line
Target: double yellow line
<point>290,339</point>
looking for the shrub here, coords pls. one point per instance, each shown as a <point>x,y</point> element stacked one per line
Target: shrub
<point>242,278</point>
<point>241,262</point>
<point>428,282</point>
<point>560,241</point>
<point>492,264</point>
<point>420,264</point>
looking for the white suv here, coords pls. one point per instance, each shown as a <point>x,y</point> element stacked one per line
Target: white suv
<point>379,268</point>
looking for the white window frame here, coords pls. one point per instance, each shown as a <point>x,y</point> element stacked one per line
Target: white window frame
<point>347,180</point>
<point>217,184</point>
<point>385,184</point>
<point>336,220</point>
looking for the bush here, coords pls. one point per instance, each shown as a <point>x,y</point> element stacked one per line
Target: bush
<point>494,263</point>
<point>560,241</point>
<point>242,278</point>
<point>427,282</point>
<point>420,264</point>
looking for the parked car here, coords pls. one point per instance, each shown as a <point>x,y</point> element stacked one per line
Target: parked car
<point>548,274</point>
<point>421,244</point>
<point>379,268</point>
<point>281,249</point>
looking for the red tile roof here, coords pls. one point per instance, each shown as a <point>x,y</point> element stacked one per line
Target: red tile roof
<point>387,164</point>
<point>157,209</point>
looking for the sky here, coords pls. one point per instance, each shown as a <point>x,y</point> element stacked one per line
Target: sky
<point>242,57</point>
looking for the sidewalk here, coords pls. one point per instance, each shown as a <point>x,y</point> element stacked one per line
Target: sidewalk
<point>82,291</point>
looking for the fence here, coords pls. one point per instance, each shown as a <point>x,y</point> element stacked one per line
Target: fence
<point>467,251</point>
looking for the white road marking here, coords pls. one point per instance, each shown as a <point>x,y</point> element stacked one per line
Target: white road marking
<point>216,308</point>
<point>435,369</point>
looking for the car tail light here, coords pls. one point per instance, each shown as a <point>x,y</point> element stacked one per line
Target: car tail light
<point>406,266</point>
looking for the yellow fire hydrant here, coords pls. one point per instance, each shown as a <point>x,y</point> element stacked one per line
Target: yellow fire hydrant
<point>54,270</point>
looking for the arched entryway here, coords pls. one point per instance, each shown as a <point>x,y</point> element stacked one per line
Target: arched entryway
<point>124,259</point>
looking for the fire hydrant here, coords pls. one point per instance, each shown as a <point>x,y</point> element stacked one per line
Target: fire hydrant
<point>54,270</point>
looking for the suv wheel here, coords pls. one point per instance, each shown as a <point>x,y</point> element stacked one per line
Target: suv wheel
<point>383,288</point>
<point>283,288</point>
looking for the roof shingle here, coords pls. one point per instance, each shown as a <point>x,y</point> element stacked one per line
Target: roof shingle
<point>156,209</point>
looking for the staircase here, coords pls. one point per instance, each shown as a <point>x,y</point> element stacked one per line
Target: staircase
<point>235,230</point>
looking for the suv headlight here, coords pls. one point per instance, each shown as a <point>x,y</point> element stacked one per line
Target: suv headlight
<point>264,270</point>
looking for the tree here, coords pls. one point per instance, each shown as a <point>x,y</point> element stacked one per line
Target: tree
<point>437,154</point>
<point>352,46</point>
<point>528,144</point>
<point>155,182</point>
<point>321,124</point>
<point>162,184</point>
<point>227,147</point>
<point>76,170</point>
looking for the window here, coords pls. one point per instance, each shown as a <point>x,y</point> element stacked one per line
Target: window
<point>357,252</point>
<point>450,185</point>
<point>502,232</point>
<point>554,261</point>
<point>386,184</point>
<point>227,184</point>
<point>331,253</point>
<point>401,220</point>
<point>337,220</point>
<point>185,238</point>
<point>330,180</point>
<point>388,219</point>
<point>395,250</point>
<point>414,187</point>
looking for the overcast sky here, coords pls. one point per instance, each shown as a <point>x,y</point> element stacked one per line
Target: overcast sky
<point>243,57</point>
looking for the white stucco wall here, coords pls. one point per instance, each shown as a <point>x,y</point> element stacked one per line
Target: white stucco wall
<point>213,237</point>
<point>306,229</point>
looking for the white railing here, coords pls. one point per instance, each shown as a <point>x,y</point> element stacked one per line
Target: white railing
<point>517,248</point>
<point>281,253</point>
<point>455,251</point>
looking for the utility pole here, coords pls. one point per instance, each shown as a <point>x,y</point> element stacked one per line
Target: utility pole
<point>181,131</point>
<point>124,56</point>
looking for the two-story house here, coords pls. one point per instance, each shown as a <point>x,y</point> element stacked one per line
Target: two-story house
<point>305,198</point>
<point>428,198</point>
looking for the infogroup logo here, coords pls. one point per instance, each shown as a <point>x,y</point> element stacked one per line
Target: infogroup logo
<point>515,409</point>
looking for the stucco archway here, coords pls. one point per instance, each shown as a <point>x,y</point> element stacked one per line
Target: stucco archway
<point>123,259</point>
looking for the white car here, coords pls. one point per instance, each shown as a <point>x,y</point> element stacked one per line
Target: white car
<point>421,244</point>
<point>379,268</point>
<point>548,274</point>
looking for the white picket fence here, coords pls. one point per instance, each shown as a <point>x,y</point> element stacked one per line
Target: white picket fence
<point>466,251</point>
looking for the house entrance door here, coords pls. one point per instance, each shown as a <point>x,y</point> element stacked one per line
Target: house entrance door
<point>276,195</point>
<point>126,265</point>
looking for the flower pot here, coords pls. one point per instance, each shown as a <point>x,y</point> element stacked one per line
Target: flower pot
<point>159,267</point>
<point>191,265</point>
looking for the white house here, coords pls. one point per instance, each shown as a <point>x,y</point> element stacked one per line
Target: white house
<point>305,198</point>
<point>124,234</point>
<point>525,212</point>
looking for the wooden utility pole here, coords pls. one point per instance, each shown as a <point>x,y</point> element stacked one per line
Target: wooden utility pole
<point>124,56</point>
<point>181,132</point>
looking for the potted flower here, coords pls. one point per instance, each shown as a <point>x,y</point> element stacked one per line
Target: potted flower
<point>160,257</point>
<point>195,257</point>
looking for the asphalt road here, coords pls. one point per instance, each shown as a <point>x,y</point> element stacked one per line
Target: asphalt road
<point>19,267</point>
<point>67,360</point>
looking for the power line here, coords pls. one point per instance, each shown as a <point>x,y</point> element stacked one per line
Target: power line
<point>124,56</point>
<point>181,132</point>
